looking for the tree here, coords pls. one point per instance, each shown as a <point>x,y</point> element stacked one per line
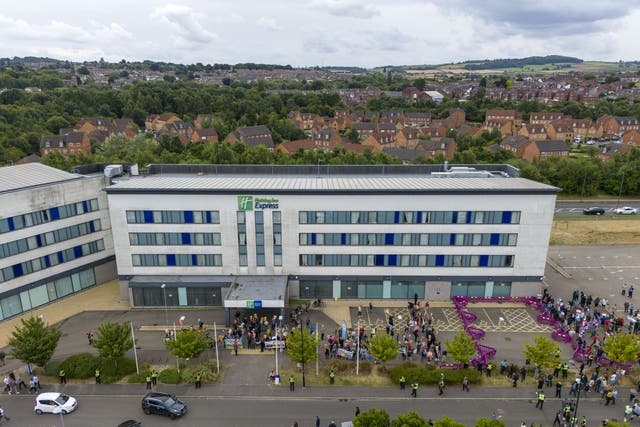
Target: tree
<point>542,353</point>
<point>188,344</point>
<point>113,340</point>
<point>489,422</point>
<point>383,347</point>
<point>411,419</point>
<point>448,422</point>
<point>301,345</point>
<point>461,348</point>
<point>372,418</point>
<point>33,342</point>
<point>621,348</point>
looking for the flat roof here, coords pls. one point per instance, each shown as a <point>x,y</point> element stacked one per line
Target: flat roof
<point>257,292</point>
<point>329,184</point>
<point>20,177</point>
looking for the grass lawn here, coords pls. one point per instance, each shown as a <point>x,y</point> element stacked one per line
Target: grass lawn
<point>600,231</point>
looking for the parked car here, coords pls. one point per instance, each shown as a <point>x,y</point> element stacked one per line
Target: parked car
<point>163,404</point>
<point>626,210</point>
<point>55,403</point>
<point>593,210</point>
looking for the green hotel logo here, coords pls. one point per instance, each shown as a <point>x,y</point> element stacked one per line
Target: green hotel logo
<point>245,203</point>
<point>248,203</point>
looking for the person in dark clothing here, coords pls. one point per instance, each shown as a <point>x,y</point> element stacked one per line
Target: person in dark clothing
<point>514,380</point>
<point>357,411</point>
<point>317,421</point>
<point>559,389</point>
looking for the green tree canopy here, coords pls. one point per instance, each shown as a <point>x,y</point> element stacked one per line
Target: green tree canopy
<point>372,418</point>
<point>622,348</point>
<point>447,422</point>
<point>113,340</point>
<point>489,422</point>
<point>301,345</point>
<point>542,352</point>
<point>383,347</point>
<point>33,341</point>
<point>188,344</point>
<point>461,348</point>
<point>411,419</point>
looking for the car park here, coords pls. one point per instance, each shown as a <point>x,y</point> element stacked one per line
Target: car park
<point>55,403</point>
<point>593,210</point>
<point>163,404</point>
<point>626,210</point>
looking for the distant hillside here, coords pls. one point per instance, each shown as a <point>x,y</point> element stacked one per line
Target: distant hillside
<point>494,64</point>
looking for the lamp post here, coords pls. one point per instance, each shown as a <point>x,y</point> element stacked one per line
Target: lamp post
<point>164,295</point>
<point>302,352</point>
<point>574,419</point>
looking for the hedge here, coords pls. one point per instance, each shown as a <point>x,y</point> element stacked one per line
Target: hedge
<point>348,366</point>
<point>169,376</point>
<point>430,374</point>
<point>83,366</point>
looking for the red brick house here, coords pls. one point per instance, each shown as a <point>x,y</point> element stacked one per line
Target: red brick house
<point>252,136</point>
<point>544,117</point>
<point>206,135</point>
<point>155,122</point>
<point>69,144</point>
<point>446,146</point>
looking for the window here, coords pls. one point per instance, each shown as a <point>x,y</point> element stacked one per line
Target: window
<point>172,217</point>
<point>52,214</point>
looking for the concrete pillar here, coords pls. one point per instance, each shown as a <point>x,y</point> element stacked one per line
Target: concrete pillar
<point>488,289</point>
<point>336,288</point>
<point>386,289</point>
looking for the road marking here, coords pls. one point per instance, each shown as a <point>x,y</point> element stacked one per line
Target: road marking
<point>488,317</point>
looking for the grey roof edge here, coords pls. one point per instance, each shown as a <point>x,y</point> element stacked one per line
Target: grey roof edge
<point>46,184</point>
<point>547,190</point>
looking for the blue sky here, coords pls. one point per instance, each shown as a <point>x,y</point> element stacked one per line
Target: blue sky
<point>320,32</point>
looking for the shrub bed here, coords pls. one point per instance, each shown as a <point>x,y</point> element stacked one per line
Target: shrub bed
<point>207,371</point>
<point>83,366</point>
<point>169,376</point>
<point>430,375</point>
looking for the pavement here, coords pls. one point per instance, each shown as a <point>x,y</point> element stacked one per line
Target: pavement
<point>599,270</point>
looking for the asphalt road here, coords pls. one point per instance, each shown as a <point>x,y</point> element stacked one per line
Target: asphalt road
<point>282,412</point>
<point>575,207</point>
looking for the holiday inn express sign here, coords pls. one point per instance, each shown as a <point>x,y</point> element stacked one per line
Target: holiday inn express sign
<point>249,203</point>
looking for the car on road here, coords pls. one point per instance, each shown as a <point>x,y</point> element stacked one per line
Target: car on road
<point>626,210</point>
<point>55,403</point>
<point>130,423</point>
<point>163,404</point>
<point>593,210</point>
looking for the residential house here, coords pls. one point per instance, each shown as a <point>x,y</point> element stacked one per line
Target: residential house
<point>290,147</point>
<point>69,144</point>
<point>387,129</point>
<point>407,138</point>
<point>414,94</point>
<point>505,126</point>
<point>434,96</point>
<point>503,115</point>
<point>326,139</point>
<point>540,150</point>
<point>124,127</point>
<point>205,119</point>
<point>392,116</point>
<point>561,130</point>
<point>584,128</point>
<point>207,135</point>
<point>457,118</point>
<point>180,129</point>
<point>445,146</point>
<point>364,129</point>
<point>417,119</point>
<point>377,140</point>
<point>515,144</point>
<point>305,121</point>
<point>615,126</point>
<point>155,122</point>
<point>406,155</point>
<point>89,124</point>
<point>631,138</point>
<point>434,133</point>
<point>252,136</point>
<point>609,150</point>
<point>544,117</point>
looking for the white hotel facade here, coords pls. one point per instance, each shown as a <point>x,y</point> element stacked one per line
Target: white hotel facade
<point>211,235</point>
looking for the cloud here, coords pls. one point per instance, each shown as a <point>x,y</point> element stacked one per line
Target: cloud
<point>184,24</point>
<point>268,23</point>
<point>361,9</point>
<point>54,30</point>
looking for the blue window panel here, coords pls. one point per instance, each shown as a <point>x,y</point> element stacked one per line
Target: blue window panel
<point>188,217</point>
<point>11,225</point>
<point>495,239</point>
<point>454,217</point>
<point>393,260</point>
<point>148,217</point>
<point>85,206</point>
<point>343,239</point>
<point>55,214</point>
<point>92,226</point>
<point>396,217</point>
<point>194,259</point>
<point>171,259</point>
<point>388,239</point>
<point>452,239</point>
<point>186,238</point>
<point>379,260</point>
<point>506,217</point>
<point>208,217</point>
<point>419,218</point>
<point>484,260</point>
<point>439,260</point>
<point>17,270</point>
<point>77,251</point>
<point>60,257</point>
<point>47,263</point>
<point>468,221</point>
<point>39,240</point>
<point>313,238</point>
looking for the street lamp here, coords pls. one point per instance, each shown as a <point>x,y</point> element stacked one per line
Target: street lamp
<point>302,353</point>
<point>164,295</point>
<point>574,419</point>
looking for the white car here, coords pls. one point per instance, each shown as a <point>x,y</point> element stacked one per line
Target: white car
<point>626,210</point>
<point>55,403</point>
